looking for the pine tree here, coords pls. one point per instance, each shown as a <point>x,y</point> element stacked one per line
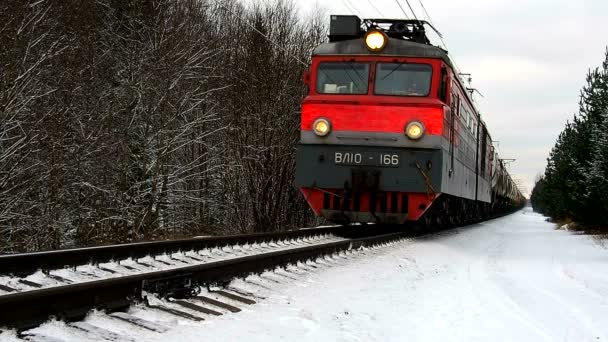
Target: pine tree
<point>598,176</point>
<point>575,182</point>
<point>596,108</point>
<point>562,177</point>
<point>537,197</point>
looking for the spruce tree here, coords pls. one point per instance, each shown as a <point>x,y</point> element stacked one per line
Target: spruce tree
<point>561,175</point>
<point>598,176</point>
<point>575,183</point>
<point>595,109</point>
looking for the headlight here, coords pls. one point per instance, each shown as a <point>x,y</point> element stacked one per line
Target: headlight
<point>321,127</point>
<point>414,130</point>
<point>375,40</point>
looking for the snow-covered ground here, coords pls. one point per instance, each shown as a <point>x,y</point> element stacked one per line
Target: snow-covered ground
<point>510,279</point>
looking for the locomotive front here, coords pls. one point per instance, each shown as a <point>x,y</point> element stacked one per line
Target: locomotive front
<point>373,126</point>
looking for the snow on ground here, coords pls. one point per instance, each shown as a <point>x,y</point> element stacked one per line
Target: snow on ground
<point>510,279</point>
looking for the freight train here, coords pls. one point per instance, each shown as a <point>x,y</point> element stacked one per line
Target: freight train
<point>390,133</point>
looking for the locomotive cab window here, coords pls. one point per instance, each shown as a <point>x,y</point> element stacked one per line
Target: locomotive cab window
<point>403,79</point>
<point>343,78</point>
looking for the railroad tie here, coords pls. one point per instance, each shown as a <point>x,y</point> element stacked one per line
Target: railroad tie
<point>269,278</point>
<point>88,274</point>
<point>105,269</point>
<point>285,276</point>
<point>30,283</point>
<point>297,272</point>
<point>32,337</point>
<point>258,284</point>
<point>142,323</point>
<point>198,308</point>
<point>163,262</point>
<point>7,288</point>
<point>312,263</point>
<point>217,303</point>
<point>59,278</point>
<point>100,332</point>
<point>128,267</point>
<point>234,297</point>
<point>308,267</point>
<point>176,312</point>
<point>245,293</point>
<point>195,258</point>
<point>144,264</point>
<point>179,260</point>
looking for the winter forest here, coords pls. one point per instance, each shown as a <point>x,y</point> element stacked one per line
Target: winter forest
<point>575,184</point>
<point>136,120</point>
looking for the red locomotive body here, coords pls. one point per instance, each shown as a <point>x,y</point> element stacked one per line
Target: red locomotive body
<point>389,132</point>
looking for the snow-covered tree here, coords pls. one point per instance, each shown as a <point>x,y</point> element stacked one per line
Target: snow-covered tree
<point>574,185</point>
<point>135,120</point>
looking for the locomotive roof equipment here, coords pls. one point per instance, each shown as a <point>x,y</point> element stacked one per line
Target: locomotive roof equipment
<point>346,27</point>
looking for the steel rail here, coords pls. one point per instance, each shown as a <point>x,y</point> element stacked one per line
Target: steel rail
<point>21,265</point>
<point>25,310</point>
<point>27,263</point>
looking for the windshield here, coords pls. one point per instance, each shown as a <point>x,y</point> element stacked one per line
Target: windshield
<point>403,79</point>
<point>342,78</point>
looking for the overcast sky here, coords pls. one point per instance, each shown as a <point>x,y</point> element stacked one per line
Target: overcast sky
<point>528,58</point>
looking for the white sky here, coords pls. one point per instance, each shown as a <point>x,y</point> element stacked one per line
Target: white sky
<point>528,58</point>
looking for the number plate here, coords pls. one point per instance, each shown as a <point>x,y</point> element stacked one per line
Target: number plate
<point>367,159</point>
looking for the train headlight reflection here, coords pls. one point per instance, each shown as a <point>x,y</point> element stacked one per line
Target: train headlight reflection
<point>414,130</point>
<point>321,127</point>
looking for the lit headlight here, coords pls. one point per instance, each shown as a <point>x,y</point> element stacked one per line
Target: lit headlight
<point>414,130</point>
<point>375,40</point>
<point>321,127</point>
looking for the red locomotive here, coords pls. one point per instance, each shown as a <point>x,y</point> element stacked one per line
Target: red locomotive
<point>390,134</point>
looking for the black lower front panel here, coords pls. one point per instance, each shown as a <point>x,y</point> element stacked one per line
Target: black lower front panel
<point>368,168</point>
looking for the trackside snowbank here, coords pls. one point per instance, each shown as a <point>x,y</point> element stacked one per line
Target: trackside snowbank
<point>511,279</point>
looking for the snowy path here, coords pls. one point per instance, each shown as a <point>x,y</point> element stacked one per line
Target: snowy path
<point>511,279</point>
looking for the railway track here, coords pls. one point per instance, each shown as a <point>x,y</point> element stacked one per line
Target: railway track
<point>69,284</point>
<point>28,263</point>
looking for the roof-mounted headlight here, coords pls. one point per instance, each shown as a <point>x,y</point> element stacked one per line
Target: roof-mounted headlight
<point>376,40</point>
<point>414,130</point>
<point>321,127</point>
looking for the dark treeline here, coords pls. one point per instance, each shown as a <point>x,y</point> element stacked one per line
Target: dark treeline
<point>575,183</point>
<point>147,119</point>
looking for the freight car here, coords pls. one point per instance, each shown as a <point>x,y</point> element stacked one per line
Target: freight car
<point>390,134</point>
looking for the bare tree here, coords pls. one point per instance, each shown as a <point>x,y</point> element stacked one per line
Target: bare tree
<point>138,120</point>
<point>29,47</point>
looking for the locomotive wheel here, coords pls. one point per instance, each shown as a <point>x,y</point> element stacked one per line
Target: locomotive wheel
<point>427,221</point>
<point>460,213</point>
<point>445,214</point>
<point>415,227</point>
<point>440,222</point>
<point>471,212</point>
<point>452,215</point>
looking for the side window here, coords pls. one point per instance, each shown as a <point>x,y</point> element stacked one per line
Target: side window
<point>471,122</point>
<point>464,113</point>
<point>483,152</point>
<point>455,99</point>
<point>443,85</point>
